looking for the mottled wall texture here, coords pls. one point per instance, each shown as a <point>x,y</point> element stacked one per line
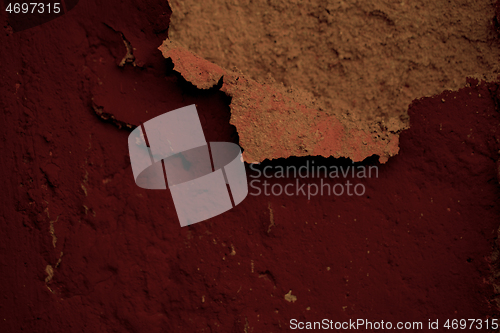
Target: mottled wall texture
<point>407,87</point>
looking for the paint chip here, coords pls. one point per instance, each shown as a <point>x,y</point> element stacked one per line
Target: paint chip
<point>289,297</point>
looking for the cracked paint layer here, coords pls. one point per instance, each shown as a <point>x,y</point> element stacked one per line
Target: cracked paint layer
<point>370,59</point>
<point>127,266</point>
<point>275,122</point>
<point>364,63</point>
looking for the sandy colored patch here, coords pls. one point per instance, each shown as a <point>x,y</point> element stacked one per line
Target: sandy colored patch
<point>275,122</point>
<point>362,61</point>
<point>290,298</point>
<point>371,57</point>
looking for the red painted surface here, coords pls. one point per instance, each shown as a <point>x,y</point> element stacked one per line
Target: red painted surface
<point>429,221</point>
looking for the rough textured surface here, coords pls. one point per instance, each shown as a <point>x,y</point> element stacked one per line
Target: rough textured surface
<point>121,263</point>
<point>362,62</point>
<point>272,124</point>
<point>369,58</point>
